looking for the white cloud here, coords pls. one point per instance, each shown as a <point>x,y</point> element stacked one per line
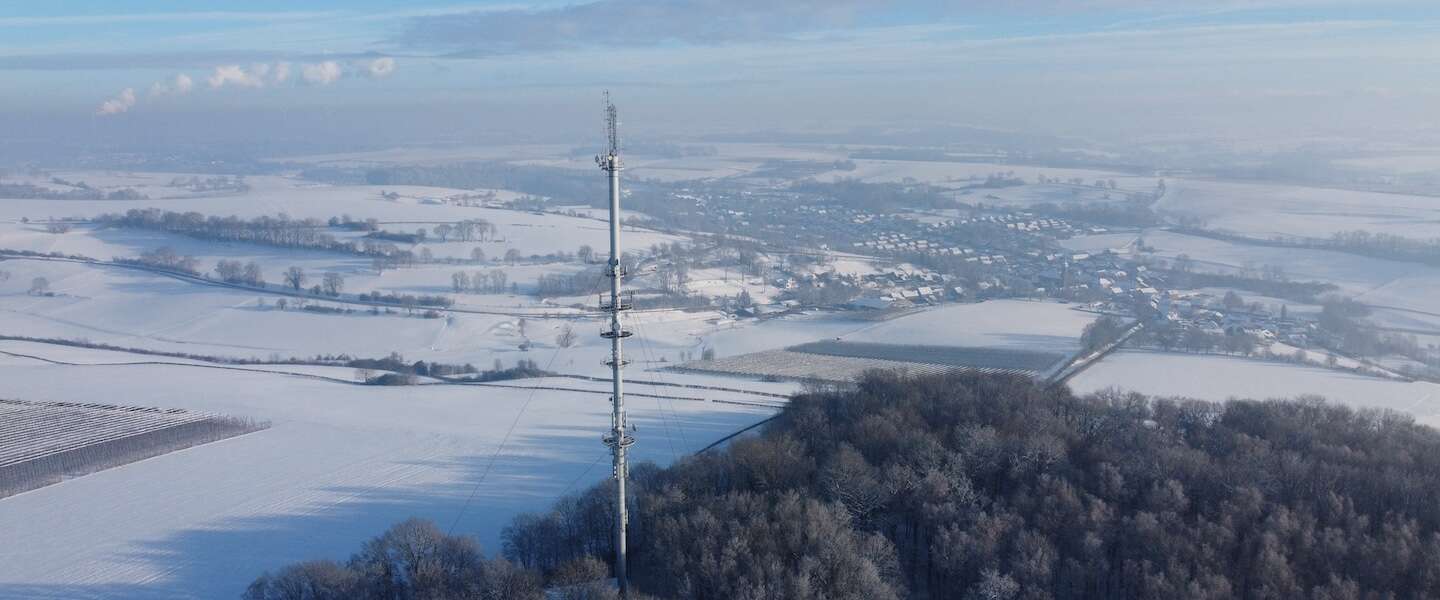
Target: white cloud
<point>118,104</point>
<point>324,73</point>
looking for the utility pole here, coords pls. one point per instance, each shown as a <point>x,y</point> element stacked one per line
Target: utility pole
<point>616,439</point>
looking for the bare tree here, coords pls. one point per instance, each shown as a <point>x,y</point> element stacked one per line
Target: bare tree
<point>477,255</point>
<point>566,338</point>
<point>252,274</point>
<point>465,230</point>
<point>333,284</point>
<point>1233,301</point>
<point>443,231</point>
<point>295,277</point>
<point>459,281</point>
<point>39,286</point>
<point>4,276</point>
<point>230,271</point>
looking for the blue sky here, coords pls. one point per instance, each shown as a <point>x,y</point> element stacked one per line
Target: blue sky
<point>1137,69</point>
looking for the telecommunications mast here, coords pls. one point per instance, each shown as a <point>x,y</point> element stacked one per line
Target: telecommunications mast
<point>616,438</point>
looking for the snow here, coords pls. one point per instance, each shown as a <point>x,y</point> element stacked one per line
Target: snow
<point>525,232</point>
<point>1267,210</point>
<point>961,172</point>
<point>340,464</point>
<point>1039,326</point>
<point>1219,378</point>
<point>1119,242</point>
<point>1420,160</point>
<point>1375,281</point>
<point>1353,273</point>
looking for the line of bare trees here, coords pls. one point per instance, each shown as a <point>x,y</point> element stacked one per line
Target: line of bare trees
<point>164,258</point>
<point>280,230</point>
<point>474,230</point>
<point>232,271</point>
<point>80,191</point>
<point>479,282</point>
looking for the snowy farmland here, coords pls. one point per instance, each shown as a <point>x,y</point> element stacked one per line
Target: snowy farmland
<point>42,443</point>
<point>847,361</point>
<point>340,464</point>
<point>1019,324</point>
<point>996,336</point>
<point>1375,281</point>
<point>1220,378</point>
<point>341,461</point>
<point>1268,210</point>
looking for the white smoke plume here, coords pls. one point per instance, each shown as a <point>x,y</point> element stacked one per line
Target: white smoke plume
<point>118,104</point>
<point>236,75</point>
<point>281,73</point>
<point>179,86</point>
<point>380,68</point>
<point>259,75</point>
<point>324,73</point>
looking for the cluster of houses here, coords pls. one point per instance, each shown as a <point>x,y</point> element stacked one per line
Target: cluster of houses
<point>902,243</point>
<point>1019,221</point>
<point>1206,313</point>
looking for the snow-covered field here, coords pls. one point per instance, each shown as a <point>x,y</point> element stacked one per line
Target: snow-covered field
<point>527,233</point>
<point>1412,160</point>
<point>1371,280</point>
<point>939,172</point>
<point>1267,210</point>
<point>136,309</point>
<point>1120,243</point>
<point>1046,327</point>
<point>1220,378</point>
<point>340,464</point>
<point>1354,274</point>
<point>1039,326</point>
<point>1025,196</point>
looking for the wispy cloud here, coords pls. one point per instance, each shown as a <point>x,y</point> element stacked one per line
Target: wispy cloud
<point>629,23</point>
<point>162,17</point>
<point>640,23</point>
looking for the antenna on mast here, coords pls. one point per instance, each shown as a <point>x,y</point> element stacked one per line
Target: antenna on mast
<point>616,438</point>
<point>612,126</point>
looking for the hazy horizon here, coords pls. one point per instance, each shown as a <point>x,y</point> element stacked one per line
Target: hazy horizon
<point>1281,73</point>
